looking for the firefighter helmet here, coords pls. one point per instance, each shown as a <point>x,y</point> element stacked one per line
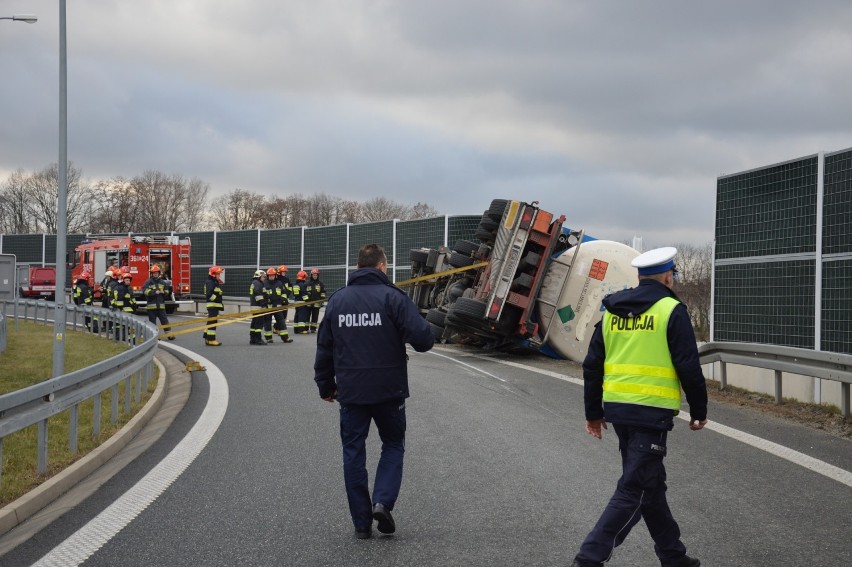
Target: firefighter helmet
<point>282,269</point>
<point>215,271</point>
<point>315,272</point>
<point>271,272</point>
<point>259,273</point>
<point>127,276</point>
<point>108,274</point>
<point>155,269</point>
<point>302,275</point>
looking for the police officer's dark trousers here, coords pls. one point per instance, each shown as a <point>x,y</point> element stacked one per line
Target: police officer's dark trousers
<point>354,427</point>
<point>640,494</point>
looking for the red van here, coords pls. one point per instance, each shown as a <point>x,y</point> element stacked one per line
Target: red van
<point>37,282</point>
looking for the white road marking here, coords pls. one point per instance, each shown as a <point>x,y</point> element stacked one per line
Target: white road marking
<point>821,467</point>
<point>99,530</point>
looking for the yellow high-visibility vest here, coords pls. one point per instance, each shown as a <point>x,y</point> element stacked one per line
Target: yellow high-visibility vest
<point>638,367</point>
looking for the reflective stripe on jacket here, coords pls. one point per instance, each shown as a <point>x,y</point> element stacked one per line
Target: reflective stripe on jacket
<point>638,367</point>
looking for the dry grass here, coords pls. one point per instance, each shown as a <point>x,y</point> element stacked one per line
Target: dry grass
<point>27,361</point>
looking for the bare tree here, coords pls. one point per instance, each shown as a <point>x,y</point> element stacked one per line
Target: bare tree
<point>43,194</point>
<point>15,217</point>
<point>382,208</point>
<point>695,269</point>
<point>195,205</point>
<point>116,209</point>
<point>238,210</point>
<point>422,211</point>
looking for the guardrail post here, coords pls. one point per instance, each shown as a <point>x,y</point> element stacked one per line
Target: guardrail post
<point>844,401</point>
<point>114,416</point>
<point>72,428</point>
<point>138,383</point>
<point>723,375</point>
<point>128,394</point>
<point>1,461</point>
<point>777,386</point>
<point>41,447</point>
<point>96,415</point>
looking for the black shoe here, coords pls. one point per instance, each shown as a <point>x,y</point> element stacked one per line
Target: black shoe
<point>383,516</point>
<point>578,564</point>
<point>269,341</point>
<point>286,340</point>
<point>365,533</point>
<point>685,561</point>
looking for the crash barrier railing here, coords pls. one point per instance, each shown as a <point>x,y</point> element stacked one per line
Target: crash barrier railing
<point>804,362</point>
<point>35,404</point>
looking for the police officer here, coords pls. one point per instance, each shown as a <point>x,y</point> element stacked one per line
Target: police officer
<point>83,295</point>
<point>257,300</point>
<point>213,294</point>
<point>279,298</point>
<point>300,294</point>
<point>156,290</point>
<point>641,354</point>
<point>316,292</point>
<point>361,362</point>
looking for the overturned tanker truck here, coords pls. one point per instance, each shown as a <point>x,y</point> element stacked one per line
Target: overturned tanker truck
<point>533,283</point>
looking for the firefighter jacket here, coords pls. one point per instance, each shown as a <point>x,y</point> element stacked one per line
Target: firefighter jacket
<point>213,293</point>
<point>107,287</point>
<point>156,301</point>
<point>288,287</point>
<point>316,291</point>
<point>83,294</point>
<point>278,292</point>
<point>123,298</point>
<point>300,291</point>
<point>361,342</point>
<point>679,342</point>
<point>257,293</point>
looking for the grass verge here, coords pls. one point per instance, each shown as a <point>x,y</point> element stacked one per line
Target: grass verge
<point>25,363</point>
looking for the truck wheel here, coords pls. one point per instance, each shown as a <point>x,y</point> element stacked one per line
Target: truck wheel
<point>466,247</point>
<point>468,308</point>
<point>488,223</point>
<point>418,256</point>
<point>436,317</point>
<point>458,260</point>
<point>486,236</point>
<point>495,211</point>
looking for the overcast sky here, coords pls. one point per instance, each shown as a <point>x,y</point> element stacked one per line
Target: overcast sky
<point>618,114</point>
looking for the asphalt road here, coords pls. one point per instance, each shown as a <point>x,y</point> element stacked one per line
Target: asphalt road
<point>499,471</point>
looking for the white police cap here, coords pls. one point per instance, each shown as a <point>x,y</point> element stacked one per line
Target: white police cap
<point>655,261</point>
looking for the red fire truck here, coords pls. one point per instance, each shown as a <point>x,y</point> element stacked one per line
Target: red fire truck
<point>138,254</point>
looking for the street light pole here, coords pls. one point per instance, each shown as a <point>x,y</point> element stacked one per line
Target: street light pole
<point>21,18</point>
<point>59,317</point>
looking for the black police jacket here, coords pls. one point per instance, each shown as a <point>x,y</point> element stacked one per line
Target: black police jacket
<point>683,349</point>
<point>361,340</point>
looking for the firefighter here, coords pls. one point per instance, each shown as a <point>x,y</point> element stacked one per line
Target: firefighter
<point>257,300</point>
<point>213,294</point>
<point>123,301</point>
<point>283,297</point>
<point>83,295</point>
<point>156,291</point>
<point>316,292</point>
<point>300,294</point>
<point>269,287</point>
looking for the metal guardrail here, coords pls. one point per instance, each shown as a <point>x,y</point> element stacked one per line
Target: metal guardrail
<point>824,365</point>
<point>35,404</point>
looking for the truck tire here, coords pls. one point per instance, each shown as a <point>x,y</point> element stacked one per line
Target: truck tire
<point>437,317</point>
<point>437,331</point>
<point>418,256</point>
<point>495,211</point>
<point>467,308</point>
<point>458,260</point>
<point>486,236</point>
<point>466,247</point>
<point>488,223</point>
